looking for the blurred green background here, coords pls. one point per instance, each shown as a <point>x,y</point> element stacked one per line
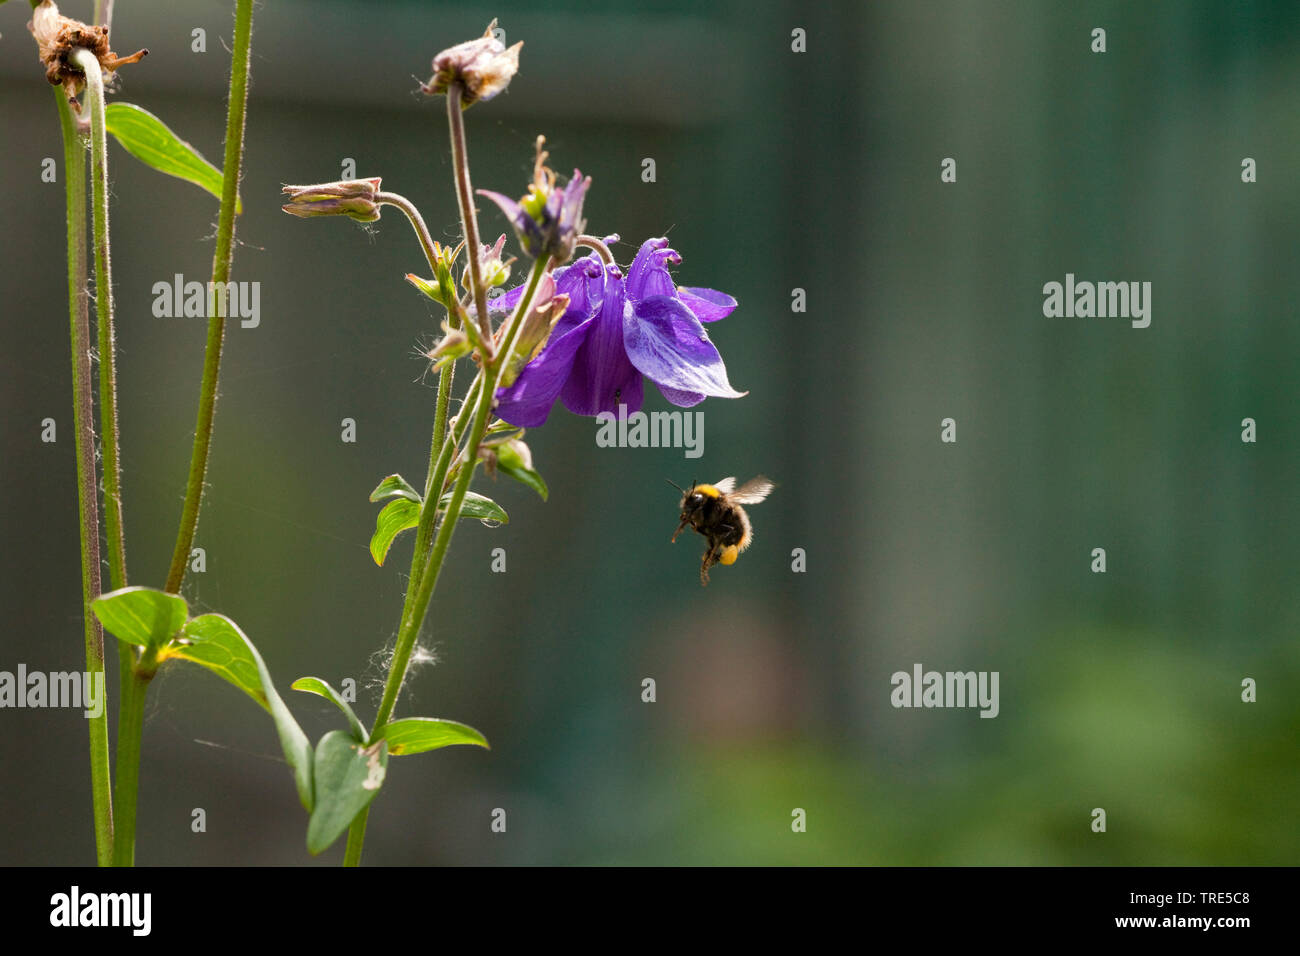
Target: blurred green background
<point>775,170</point>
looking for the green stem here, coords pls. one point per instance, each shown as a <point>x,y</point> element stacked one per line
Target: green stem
<point>114,525</point>
<point>74,172</point>
<point>414,618</point>
<point>423,583</point>
<point>422,586</point>
<point>510,336</point>
<point>433,479</point>
<point>445,377</point>
<point>109,441</point>
<point>414,614</point>
<point>417,223</point>
<point>130,730</point>
<point>356,838</point>
<point>462,422</point>
<point>221,261</point>
<point>441,457</point>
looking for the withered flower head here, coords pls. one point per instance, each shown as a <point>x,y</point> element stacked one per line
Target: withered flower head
<point>483,67</point>
<point>58,36</point>
<point>549,219</point>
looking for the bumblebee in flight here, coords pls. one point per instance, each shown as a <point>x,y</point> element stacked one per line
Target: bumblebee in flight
<point>715,511</point>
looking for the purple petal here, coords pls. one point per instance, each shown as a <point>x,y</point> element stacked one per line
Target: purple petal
<point>527,403</point>
<point>602,377</point>
<point>525,227</point>
<point>508,206</point>
<point>583,282</point>
<point>681,399</point>
<point>666,342</point>
<point>585,295</point>
<point>505,302</point>
<point>570,214</point>
<point>642,266</point>
<point>709,305</point>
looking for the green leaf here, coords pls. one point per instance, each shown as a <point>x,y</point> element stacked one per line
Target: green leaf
<point>143,616</point>
<point>314,685</point>
<point>415,735</point>
<point>148,139</point>
<point>429,287</point>
<point>348,775</point>
<point>215,641</point>
<point>514,464</point>
<point>499,432</point>
<point>401,514</point>
<point>397,516</point>
<point>395,486</point>
<point>477,506</point>
<point>424,285</point>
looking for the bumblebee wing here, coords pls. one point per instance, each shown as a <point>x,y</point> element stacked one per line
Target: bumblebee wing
<point>726,486</point>
<point>753,491</point>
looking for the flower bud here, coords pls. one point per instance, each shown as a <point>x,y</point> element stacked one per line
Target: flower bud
<point>347,197</point>
<point>454,345</point>
<point>546,310</point>
<point>482,67</point>
<point>440,288</point>
<point>494,270</point>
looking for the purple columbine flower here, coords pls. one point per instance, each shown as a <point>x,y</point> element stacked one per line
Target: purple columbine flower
<point>615,331</point>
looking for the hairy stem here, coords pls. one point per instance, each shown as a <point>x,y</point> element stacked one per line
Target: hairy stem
<point>421,586</point>
<point>417,223</point>
<point>602,250</point>
<point>433,480</point>
<point>445,377</point>
<point>109,441</point>
<point>510,335</point>
<point>414,615</point>
<point>221,262</point>
<point>468,217</point>
<point>74,173</point>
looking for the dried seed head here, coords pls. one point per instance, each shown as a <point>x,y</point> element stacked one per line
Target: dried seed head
<point>483,67</point>
<point>58,36</point>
